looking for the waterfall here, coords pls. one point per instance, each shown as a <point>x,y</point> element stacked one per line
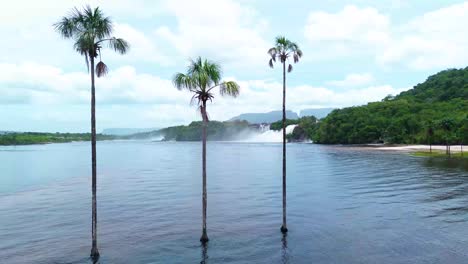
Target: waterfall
<point>269,136</point>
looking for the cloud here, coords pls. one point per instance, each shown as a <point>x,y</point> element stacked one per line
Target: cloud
<point>31,35</point>
<point>352,29</point>
<point>433,40</point>
<point>153,101</point>
<point>353,79</point>
<point>16,13</point>
<point>143,47</point>
<point>223,30</point>
<point>436,39</point>
<point>32,83</point>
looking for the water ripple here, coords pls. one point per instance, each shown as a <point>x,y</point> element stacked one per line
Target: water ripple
<point>345,205</point>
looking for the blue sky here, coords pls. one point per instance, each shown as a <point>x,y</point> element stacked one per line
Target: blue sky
<point>354,52</point>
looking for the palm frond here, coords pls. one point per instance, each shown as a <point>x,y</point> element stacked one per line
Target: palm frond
<point>230,88</point>
<point>84,44</point>
<point>290,68</point>
<point>65,27</point>
<point>281,41</point>
<point>204,73</point>
<point>295,57</point>
<point>101,69</point>
<point>299,53</point>
<point>103,26</point>
<point>273,51</point>
<point>119,45</point>
<point>292,46</point>
<point>213,71</point>
<point>195,66</point>
<point>271,63</point>
<point>88,11</point>
<point>183,81</point>
<point>71,25</point>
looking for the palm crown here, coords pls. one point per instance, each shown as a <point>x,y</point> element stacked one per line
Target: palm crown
<point>283,50</point>
<point>201,78</point>
<point>91,30</point>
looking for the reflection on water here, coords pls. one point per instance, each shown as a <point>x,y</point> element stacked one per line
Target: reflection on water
<point>284,249</point>
<point>204,255</point>
<point>344,205</point>
<point>446,163</point>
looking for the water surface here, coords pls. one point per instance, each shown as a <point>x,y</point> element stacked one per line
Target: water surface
<point>344,205</point>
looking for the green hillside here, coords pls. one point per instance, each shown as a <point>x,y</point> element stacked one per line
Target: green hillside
<point>435,111</point>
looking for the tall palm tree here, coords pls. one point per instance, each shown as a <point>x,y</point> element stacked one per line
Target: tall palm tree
<point>284,50</point>
<point>202,77</point>
<point>91,31</point>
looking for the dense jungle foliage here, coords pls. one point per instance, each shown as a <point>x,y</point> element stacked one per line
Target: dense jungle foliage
<point>433,112</point>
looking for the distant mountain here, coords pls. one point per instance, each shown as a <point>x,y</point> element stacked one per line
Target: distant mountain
<point>270,117</point>
<point>317,112</point>
<point>126,131</point>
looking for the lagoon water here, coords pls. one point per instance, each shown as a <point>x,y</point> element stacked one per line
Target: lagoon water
<point>345,205</point>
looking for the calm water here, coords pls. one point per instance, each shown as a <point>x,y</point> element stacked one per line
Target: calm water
<point>344,205</point>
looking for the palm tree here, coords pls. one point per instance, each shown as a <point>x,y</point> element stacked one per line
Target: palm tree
<point>447,124</point>
<point>91,30</point>
<point>283,50</point>
<point>430,133</point>
<point>202,77</point>
<point>463,134</point>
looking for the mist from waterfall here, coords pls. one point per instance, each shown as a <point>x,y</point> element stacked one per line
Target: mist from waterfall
<point>266,135</point>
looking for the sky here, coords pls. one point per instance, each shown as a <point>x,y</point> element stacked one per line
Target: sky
<point>355,52</point>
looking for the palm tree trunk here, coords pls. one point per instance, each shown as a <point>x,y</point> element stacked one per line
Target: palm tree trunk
<point>204,237</point>
<point>94,249</point>
<point>446,147</point>
<point>430,145</point>
<point>284,227</point>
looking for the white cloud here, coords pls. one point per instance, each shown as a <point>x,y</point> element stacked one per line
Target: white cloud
<point>436,39</point>
<point>433,40</point>
<point>29,12</point>
<point>223,30</point>
<point>353,79</point>
<point>31,35</point>
<point>352,29</point>
<point>42,84</point>
<point>143,47</point>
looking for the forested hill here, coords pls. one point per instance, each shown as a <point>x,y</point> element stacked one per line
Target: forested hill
<point>434,111</point>
<point>443,86</point>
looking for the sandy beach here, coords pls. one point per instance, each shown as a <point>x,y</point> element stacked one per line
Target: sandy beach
<point>453,148</point>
